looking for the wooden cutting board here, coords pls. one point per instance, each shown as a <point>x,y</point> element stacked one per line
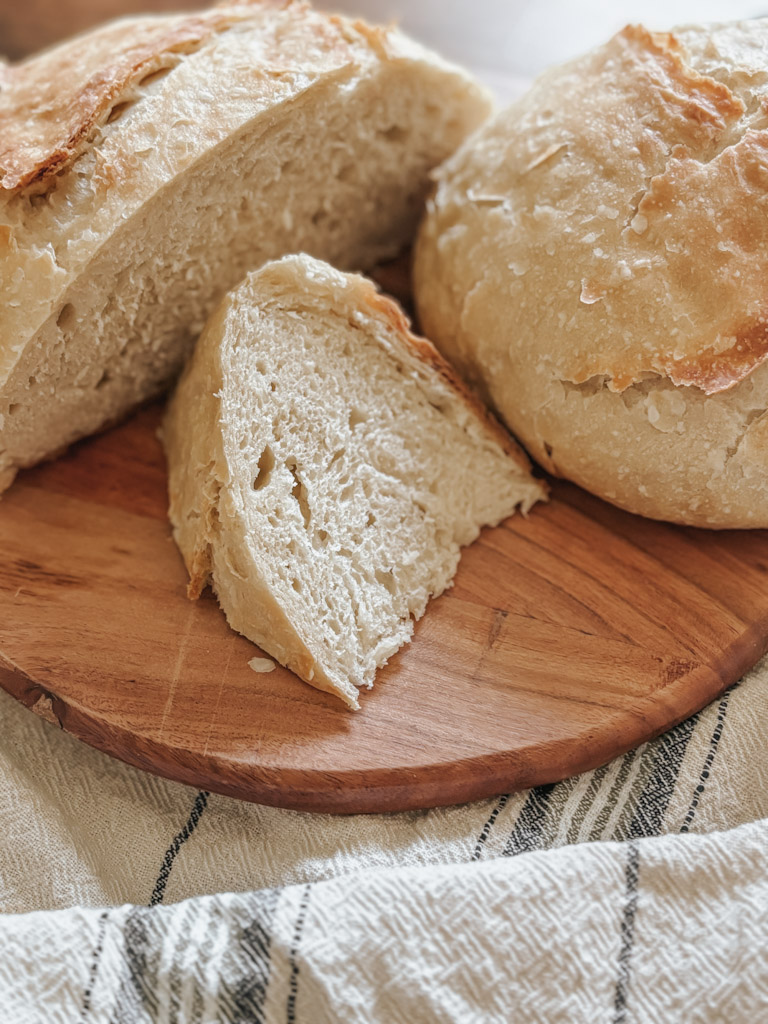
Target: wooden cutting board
<point>568,638</point>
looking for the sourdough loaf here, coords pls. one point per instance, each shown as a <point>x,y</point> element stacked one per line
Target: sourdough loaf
<point>325,466</point>
<point>595,260</point>
<point>146,166</point>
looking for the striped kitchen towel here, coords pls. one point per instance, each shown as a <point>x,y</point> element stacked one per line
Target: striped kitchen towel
<point>662,930</point>
<point>636,892</point>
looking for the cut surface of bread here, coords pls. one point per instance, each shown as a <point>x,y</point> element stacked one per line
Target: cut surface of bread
<point>325,468</point>
<point>595,260</point>
<point>147,166</point>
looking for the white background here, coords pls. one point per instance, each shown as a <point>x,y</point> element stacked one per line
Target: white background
<point>508,41</point>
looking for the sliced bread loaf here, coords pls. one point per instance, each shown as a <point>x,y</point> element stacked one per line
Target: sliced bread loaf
<point>147,166</point>
<point>326,465</point>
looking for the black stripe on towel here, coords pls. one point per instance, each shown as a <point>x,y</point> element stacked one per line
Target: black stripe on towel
<point>246,966</point>
<point>713,745</point>
<point>137,995</point>
<point>94,968</point>
<point>158,893</point>
<point>652,804</point>
<point>293,982</point>
<point>632,872</point>
<point>488,826</point>
<point>529,828</point>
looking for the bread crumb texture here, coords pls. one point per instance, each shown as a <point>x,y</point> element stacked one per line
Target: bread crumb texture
<point>594,258</point>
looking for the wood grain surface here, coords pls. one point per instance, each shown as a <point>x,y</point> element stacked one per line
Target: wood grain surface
<point>569,637</point>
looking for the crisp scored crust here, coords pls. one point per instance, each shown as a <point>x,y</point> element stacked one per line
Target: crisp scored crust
<point>51,105</point>
<point>648,184</point>
<point>135,160</point>
<point>594,261</point>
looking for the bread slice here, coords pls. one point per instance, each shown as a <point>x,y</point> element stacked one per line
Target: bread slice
<point>326,466</point>
<point>147,166</point>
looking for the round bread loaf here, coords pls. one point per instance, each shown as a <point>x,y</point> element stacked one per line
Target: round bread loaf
<point>595,260</point>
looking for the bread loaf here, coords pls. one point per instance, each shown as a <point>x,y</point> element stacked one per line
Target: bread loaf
<point>595,260</point>
<point>146,166</point>
<point>325,466</point>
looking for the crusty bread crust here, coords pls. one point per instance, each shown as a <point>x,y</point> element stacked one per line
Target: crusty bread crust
<point>594,260</point>
<point>50,104</point>
<point>194,127</point>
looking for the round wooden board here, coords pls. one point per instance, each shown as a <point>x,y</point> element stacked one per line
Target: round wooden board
<point>568,638</point>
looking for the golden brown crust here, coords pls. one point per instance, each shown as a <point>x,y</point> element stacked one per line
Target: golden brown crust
<point>703,104</point>
<point>698,112</point>
<point>719,371</point>
<point>594,260</point>
<point>684,270</point>
<point>51,104</point>
<point>731,339</point>
<point>199,569</point>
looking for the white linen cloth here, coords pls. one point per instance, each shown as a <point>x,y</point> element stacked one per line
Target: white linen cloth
<point>637,892</point>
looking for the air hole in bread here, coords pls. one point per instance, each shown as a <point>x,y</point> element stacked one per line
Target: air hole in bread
<point>32,381</point>
<point>264,470</point>
<point>13,408</point>
<point>299,492</point>
<point>347,492</point>
<point>371,520</point>
<point>66,317</point>
<point>118,110</point>
<point>296,584</point>
<point>337,457</point>
<point>347,173</point>
<point>322,536</point>
<point>356,416</point>
<point>103,380</point>
<point>319,216</point>
<point>155,76</point>
<point>386,579</point>
<point>395,133</point>
<point>548,449</point>
<point>440,408</point>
